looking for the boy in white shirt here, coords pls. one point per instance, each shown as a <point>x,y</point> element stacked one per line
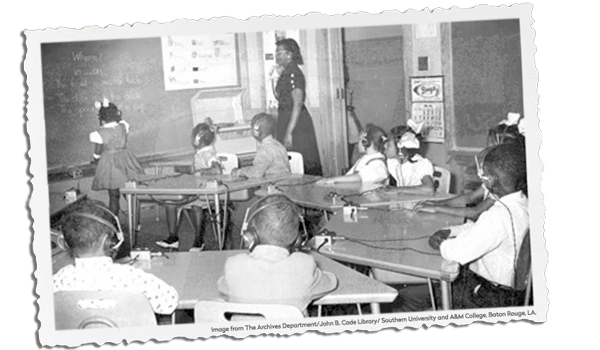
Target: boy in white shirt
<point>488,248</point>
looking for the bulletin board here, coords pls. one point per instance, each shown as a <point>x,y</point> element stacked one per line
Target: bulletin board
<point>199,61</point>
<point>427,106</point>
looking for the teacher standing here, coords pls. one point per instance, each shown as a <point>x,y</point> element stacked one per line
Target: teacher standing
<point>295,128</point>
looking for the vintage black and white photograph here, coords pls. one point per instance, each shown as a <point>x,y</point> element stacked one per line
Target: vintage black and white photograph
<point>282,175</point>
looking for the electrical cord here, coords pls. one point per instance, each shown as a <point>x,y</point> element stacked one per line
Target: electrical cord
<point>391,248</point>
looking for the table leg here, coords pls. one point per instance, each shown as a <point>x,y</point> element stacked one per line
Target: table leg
<point>130,218</point>
<point>446,295</point>
<point>375,309</point>
<point>218,222</point>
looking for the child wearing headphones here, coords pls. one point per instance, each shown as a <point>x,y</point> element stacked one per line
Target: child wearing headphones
<point>488,248</point>
<point>470,205</point>
<point>206,162</point>
<point>271,156</point>
<point>92,235</point>
<point>371,167</point>
<point>115,163</point>
<point>272,272</point>
<point>410,172</point>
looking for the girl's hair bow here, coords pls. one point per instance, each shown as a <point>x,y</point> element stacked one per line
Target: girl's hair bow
<point>511,119</point>
<point>415,126</point>
<point>213,128</point>
<point>409,140</point>
<point>105,103</point>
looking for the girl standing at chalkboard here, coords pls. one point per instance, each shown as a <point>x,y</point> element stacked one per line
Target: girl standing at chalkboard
<point>115,163</point>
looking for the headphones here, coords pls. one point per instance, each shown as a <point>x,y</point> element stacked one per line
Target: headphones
<point>256,130</point>
<point>250,236</point>
<point>117,231</point>
<point>490,179</point>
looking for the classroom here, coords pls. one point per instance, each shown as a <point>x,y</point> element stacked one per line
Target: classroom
<point>382,167</point>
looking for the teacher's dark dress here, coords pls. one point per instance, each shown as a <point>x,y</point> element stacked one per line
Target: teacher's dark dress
<point>303,137</point>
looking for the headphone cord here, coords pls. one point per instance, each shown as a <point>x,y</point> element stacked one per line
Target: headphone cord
<point>391,248</point>
<point>514,235</point>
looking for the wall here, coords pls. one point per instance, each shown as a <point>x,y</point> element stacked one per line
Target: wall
<point>374,67</point>
<point>418,44</point>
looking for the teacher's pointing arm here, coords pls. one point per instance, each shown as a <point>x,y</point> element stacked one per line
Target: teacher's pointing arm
<point>298,100</point>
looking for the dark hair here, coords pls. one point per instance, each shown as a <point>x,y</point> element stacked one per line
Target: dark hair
<point>291,45</point>
<point>503,133</point>
<point>265,123</point>
<point>278,222</point>
<point>507,162</point>
<point>202,135</point>
<point>376,136</point>
<point>110,113</point>
<point>83,234</point>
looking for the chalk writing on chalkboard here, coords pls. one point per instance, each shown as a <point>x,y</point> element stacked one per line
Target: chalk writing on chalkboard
<point>129,73</point>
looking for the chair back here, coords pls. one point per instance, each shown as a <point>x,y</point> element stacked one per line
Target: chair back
<point>102,309</point>
<point>207,311</point>
<point>229,161</point>
<point>441,179</point>
<point>296,162</point>
<point>523,264</point>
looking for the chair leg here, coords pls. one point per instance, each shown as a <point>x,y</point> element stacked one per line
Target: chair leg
<point>528,290</point>
<point>431,293</point>
<point>188,217</point>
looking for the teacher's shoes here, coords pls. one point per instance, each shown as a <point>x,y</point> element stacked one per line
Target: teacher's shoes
<point>170,242</point>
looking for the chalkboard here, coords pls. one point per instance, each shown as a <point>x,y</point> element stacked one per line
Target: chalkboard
<point>487,73</point>
<point>129,73</point>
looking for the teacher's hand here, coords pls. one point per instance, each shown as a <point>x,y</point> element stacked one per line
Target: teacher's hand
<point>288,141</point>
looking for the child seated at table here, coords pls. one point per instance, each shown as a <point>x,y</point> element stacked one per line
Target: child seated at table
<point>92,235</point>
<point>272,272</point>
<point>410,172</point>
<point>371,167</point>
<point>271,156</point>
<point>488,248</point>
<point>205,163</point>
<point>471,204</point>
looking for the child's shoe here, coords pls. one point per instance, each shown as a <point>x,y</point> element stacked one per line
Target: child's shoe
<point>197,248</point>
<point>170,242</point>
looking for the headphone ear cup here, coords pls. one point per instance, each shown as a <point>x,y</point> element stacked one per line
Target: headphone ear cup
<point>251,239</point>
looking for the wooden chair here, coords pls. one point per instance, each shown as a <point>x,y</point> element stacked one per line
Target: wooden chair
<point>441,179</point>
<point>296,162</point>
<point>207,311</point>
<point>523,271</point>
<point>102,309</point>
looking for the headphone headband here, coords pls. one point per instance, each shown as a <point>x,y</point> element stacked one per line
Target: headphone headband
<point>116,230</point>
<point>259,206</point>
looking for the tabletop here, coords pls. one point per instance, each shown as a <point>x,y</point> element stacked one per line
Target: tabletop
<point>330,197</point>
<point>195,275</point>
<point>190,184</point>
<point>392,240</point>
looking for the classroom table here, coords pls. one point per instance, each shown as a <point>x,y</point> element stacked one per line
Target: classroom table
<point>384,239</point>
<point>194,275</point>
<point>178,187</point>
<point>306,193</point>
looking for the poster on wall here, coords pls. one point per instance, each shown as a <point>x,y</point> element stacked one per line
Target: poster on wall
<point>199,61</point>
<point>427,89</point>
<point>432,115</point>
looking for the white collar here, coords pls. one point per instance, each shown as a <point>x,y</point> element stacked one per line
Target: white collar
<point>270,252</point>
<point>205,148</point>
<point>94,261</point>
